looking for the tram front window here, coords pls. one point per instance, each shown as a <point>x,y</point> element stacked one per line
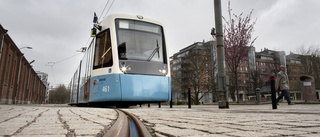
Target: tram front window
<point>140,41</point>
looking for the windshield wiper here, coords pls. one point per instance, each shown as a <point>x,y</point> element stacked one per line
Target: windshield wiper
<point>154,52</point>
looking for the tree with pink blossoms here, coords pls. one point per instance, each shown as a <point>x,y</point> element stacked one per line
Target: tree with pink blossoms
<point>237,42</point>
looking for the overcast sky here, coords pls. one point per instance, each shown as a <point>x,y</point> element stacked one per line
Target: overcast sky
<point>56,29</point>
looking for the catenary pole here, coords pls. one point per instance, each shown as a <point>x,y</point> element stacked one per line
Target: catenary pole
<point>223,80</point>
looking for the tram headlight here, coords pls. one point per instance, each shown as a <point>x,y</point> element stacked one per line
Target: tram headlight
<point>163,71</point>
<point>125,68</point>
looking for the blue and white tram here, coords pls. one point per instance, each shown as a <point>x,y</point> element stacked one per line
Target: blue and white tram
<point>126,64</point>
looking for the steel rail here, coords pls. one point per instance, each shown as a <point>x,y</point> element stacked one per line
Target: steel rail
<point>121,127</point>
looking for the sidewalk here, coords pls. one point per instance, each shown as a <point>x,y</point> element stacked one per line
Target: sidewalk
<point>239,120</point>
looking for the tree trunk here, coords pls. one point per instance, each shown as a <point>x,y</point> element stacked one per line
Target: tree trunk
<point>232,86</point>
<point>237,87</point>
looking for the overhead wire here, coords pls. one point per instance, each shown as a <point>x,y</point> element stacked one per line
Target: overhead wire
<point>88,41</point>
<point>106,5</point>
<point>89,37</point>
<point>51,64</point>
<point>103,9</point>
<point>66,58</point>
<point>109,8</point>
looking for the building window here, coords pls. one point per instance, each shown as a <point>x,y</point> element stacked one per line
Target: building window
<point>266,58</point>
<point>7,70</point>
<point>12,72</point>
<point>264,70</point>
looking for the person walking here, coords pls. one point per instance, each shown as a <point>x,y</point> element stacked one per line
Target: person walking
<point>282,83</point>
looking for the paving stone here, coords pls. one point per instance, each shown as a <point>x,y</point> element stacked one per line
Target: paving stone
<point>206,121</point>
<point>250,134</point>
<point>178,131</point>
<point>39,136</point>
<point>87,126</point>
<point>210,135</point>
<point>7,131</point>
<point>313,130</point>
<point>53,121</point>
<point>43,131</point>
<point>217,130</point>
<point>299,124</point>
<point>86,132</point>
<point>285,132</point>
<point>241,121</point>
<point>310,135</point>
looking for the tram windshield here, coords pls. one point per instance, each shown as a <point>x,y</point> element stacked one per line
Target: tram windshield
<point>139,40</point>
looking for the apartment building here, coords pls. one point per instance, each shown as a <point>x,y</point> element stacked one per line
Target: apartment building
<point>253,73</point>
<point>44,78</point>
<point>194,67</point>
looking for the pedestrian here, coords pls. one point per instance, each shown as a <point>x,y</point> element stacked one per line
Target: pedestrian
<point>282,84</point>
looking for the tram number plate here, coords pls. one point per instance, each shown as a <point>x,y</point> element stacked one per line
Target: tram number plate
<point>105,89</point>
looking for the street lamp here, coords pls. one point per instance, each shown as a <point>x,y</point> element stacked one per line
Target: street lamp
<point>31,62</point>
<point>82,49</point>
<point>26,47</point>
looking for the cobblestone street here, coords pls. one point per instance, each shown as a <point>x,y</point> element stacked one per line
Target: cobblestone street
<point>206,120</point>
<point>54,121</point>
<point>239,120</point>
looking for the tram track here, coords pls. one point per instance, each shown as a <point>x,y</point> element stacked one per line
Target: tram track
<point>127,125</point>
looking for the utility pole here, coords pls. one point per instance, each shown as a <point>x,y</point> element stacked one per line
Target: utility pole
<point>223,80</point>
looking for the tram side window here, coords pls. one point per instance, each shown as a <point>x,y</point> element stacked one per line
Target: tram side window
<point>103,52</point>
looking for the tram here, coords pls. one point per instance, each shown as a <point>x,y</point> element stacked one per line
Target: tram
<point>125,64</point>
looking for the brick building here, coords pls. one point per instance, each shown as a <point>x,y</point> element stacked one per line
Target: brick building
<point>257,76</point>
<point>19,83</point>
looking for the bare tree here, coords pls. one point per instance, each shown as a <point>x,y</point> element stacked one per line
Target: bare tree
<point>292,74</point>
<point>195,68</point>
<point>256,80</point>
<point>310,60</point>
<point>176,82</point>
<point>60,95</point>
<point>237,40</point>
<point>197,74</point>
